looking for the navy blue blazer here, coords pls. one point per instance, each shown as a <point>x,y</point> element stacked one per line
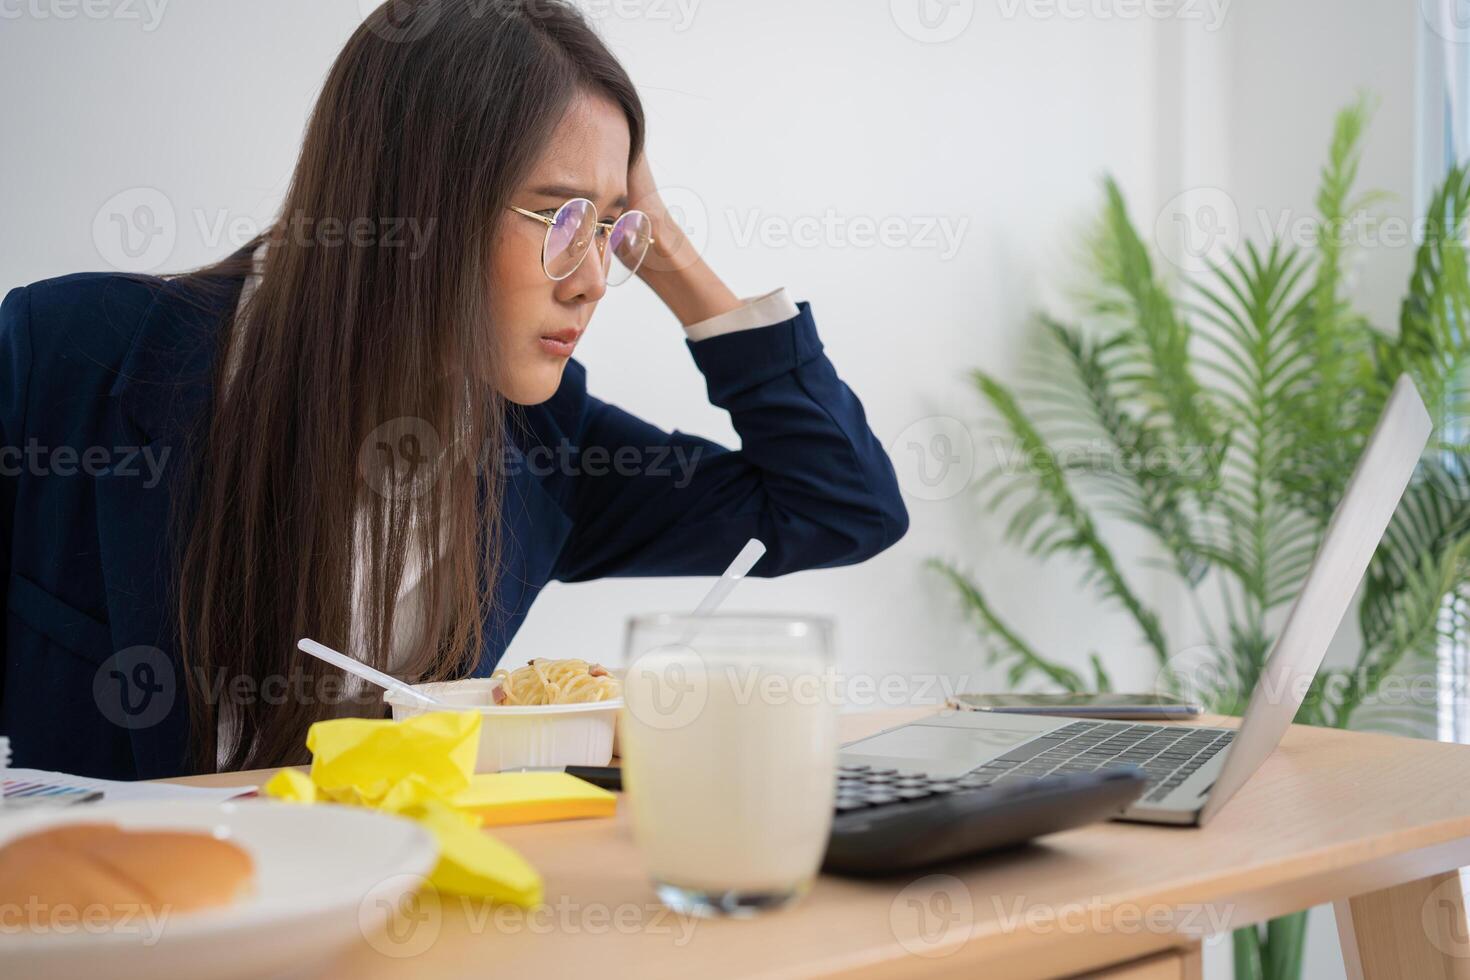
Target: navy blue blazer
<point>102,377</point>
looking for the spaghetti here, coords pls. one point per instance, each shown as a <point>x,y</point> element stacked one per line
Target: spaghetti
<point>555,682</point>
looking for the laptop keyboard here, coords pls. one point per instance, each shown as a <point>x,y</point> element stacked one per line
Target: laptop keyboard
<point>1167,754</point>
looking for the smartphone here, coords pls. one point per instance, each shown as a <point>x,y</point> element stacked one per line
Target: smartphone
<point>1124,707</point>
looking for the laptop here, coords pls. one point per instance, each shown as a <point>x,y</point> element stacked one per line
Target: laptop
<point>1192,771</point>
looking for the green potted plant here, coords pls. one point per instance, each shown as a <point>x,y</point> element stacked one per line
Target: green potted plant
<point>1222,413</point>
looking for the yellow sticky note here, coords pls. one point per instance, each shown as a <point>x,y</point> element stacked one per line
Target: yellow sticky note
<point>530,797</point>
<point>414,768</point>
<point>370,756</point>
<point>291,785</point>
<point>409,792</point>
<point>473,863</point>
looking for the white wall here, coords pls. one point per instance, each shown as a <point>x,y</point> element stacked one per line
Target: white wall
<point>779,115</point>
<point>772,115</point>
<point>768,117</point>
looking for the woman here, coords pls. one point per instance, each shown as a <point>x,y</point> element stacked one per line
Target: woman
<point>367,427</point>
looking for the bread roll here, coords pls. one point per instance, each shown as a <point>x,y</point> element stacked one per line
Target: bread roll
<point>101,872</point>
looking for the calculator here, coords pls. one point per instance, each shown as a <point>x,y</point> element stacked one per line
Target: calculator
<point>888,821</point>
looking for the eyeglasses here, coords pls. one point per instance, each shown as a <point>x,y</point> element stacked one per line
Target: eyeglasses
<point>569,233</point>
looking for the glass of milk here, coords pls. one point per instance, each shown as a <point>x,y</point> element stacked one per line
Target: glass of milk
<point>729,745</point>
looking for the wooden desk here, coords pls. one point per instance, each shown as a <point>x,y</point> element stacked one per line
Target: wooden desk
<point>1373,823</point>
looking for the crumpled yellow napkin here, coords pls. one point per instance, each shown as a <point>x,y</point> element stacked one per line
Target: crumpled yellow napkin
<point>412,768</point>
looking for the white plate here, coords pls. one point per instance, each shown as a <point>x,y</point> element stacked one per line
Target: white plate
<point>325,876</point>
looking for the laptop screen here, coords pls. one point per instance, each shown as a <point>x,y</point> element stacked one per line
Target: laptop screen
<point>1378,481</point>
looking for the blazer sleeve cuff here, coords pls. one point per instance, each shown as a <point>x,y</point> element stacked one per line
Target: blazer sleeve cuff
<point>753,313</point>
<point>735,362</point>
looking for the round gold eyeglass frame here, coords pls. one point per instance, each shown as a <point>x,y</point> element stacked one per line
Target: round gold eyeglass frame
<point>604,231</point>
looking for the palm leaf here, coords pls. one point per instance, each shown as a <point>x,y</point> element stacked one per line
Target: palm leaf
<point>1158,339</point>
<point>1053,521</point>
<point>1005,645</point>
<point>1411,622</point>
<point>1253,307</point>
<point>1432,344</point>
<point>1145,484</point>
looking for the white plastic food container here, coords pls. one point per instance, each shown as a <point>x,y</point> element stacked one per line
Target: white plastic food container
<point>519,736</point>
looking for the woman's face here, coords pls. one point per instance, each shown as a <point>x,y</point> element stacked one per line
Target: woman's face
<point>534,316</point>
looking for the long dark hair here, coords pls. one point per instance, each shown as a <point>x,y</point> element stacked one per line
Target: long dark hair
<point>356,389</point>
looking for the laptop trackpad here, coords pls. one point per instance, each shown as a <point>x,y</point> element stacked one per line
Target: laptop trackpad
<point>939,751</point>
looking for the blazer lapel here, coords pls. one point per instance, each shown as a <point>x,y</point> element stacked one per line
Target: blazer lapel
<point>163,389</point>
